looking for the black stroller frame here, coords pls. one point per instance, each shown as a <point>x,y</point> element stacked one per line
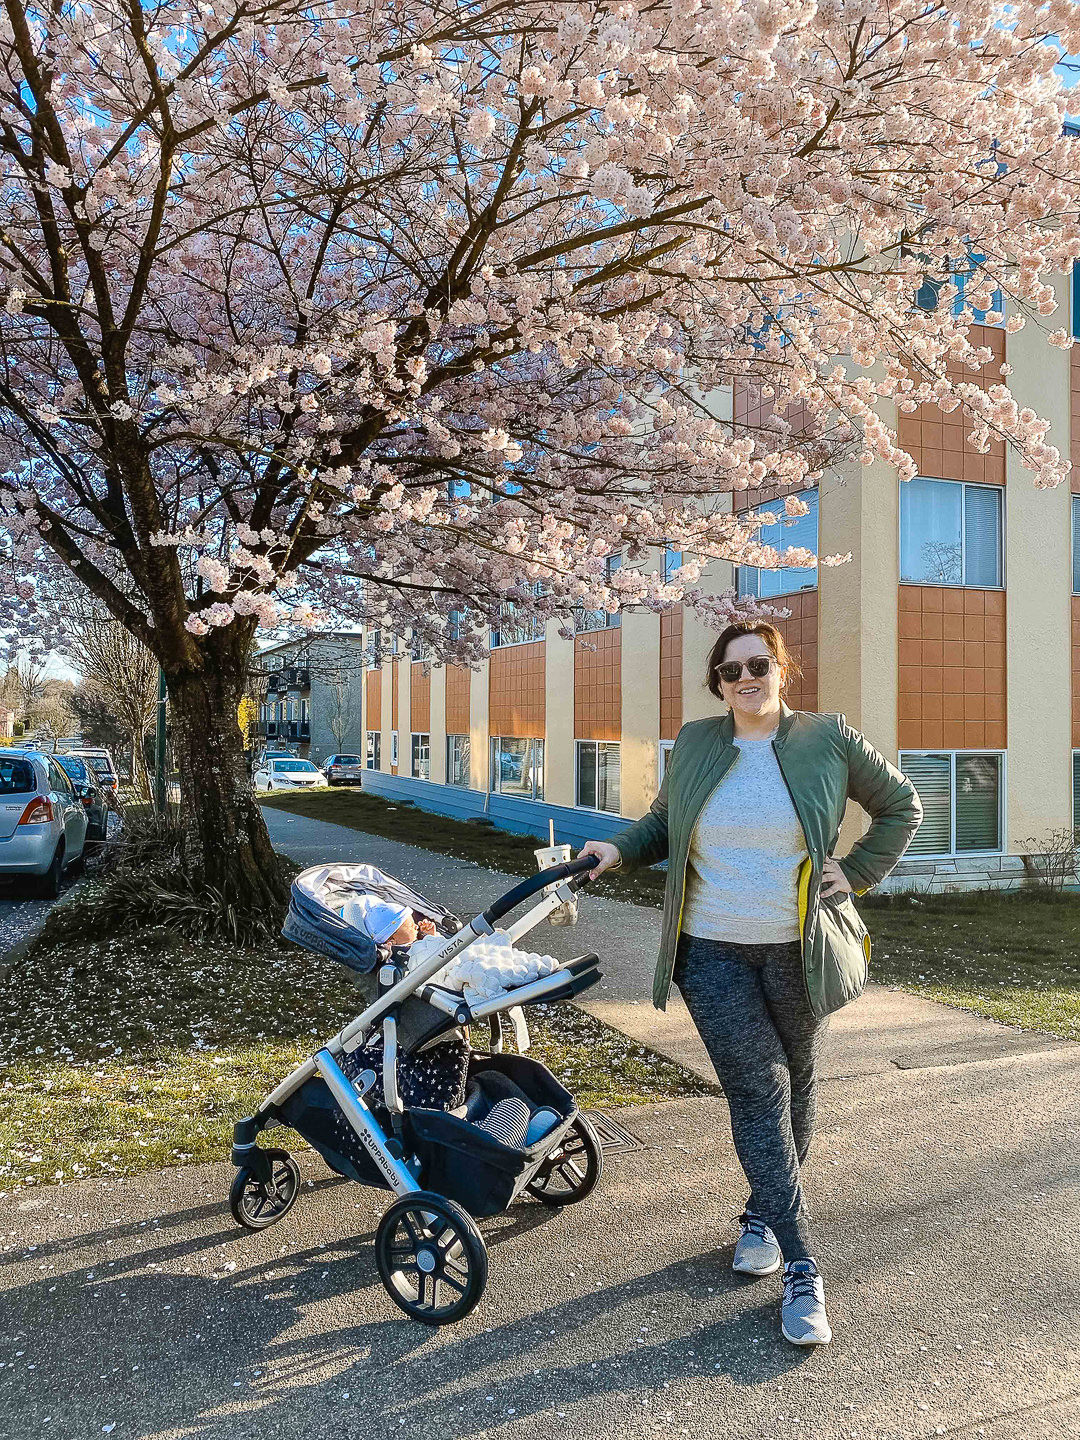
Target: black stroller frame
<point>430,1253</point>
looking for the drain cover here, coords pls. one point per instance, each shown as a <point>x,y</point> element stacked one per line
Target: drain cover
<point>615,1138</point>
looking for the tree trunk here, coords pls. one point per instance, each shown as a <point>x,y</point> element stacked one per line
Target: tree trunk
<point>229,838</point>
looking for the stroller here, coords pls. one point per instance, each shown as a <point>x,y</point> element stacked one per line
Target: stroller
<point>399,1100</point>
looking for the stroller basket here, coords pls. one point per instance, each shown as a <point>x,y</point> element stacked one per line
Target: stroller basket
<point>467,1163</point>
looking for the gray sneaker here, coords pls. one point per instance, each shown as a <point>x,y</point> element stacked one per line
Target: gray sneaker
<point>802,1310</point>
<point>757,1252</point>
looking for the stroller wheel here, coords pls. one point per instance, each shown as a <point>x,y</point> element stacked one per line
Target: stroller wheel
<point>256,1204</point>
<point>571,1171</point>
<point>432,1258</point>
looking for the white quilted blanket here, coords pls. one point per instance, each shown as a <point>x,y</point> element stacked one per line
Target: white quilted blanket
<point>487,968</point>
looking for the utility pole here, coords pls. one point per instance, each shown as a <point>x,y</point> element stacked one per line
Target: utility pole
<point>159,753</point>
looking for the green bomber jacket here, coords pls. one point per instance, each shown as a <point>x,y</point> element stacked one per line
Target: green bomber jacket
<point>824,762</point>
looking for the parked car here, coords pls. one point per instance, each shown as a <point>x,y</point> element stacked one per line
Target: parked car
<point>42,823</point>
<point>285,772</point>
<point>90,794</point>
<point>344,770</point>
<point>100,761</point>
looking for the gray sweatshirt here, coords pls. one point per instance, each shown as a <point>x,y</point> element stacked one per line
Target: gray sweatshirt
<point>747,846</point>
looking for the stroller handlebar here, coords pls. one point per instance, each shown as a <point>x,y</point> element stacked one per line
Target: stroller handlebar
<point>576,871</point>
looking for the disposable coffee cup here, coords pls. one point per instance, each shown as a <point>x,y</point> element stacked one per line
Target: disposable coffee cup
<point>550,855</point>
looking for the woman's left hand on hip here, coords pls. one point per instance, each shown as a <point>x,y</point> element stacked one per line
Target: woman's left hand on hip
<point>833,880</point>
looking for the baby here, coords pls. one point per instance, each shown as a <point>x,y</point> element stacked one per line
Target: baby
<point>391,924</point>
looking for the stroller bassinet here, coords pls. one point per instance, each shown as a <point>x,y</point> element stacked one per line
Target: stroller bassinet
<point>399,1100</point>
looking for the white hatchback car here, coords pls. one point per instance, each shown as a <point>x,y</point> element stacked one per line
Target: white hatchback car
<point>285,772</point>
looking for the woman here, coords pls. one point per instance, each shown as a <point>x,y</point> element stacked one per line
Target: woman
<point>759,932</point>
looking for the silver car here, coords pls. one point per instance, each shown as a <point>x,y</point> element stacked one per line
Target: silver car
<point>344,770</point>
<point>42,822</point>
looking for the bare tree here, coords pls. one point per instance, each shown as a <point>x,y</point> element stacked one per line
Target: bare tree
<point>120,670</point>
<point>30,682</point>
<point>341,714</point>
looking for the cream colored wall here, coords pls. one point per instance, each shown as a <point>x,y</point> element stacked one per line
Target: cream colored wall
<point>559,717</point>
<point>438,724</point>
<point>1038,620</point>
<point>639,754</point>
<point>404,709</point>
<point>858,604</point>
<point>387,673</point>
<point>478,729</point>
<point>698,641</point>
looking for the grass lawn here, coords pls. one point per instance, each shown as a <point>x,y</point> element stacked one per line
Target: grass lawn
<point>463,839</point>
<point>141,1050</point>
<point>1013,956</point>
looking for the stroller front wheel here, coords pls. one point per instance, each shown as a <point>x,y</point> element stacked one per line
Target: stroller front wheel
<point>431,1257</point>
<point>572,1169</point>
<point>255,1203</point>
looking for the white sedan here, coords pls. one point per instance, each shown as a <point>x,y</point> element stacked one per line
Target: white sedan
<point>288,774</point>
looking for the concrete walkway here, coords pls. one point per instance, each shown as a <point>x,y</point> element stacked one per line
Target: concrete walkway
<point>945,1185</point>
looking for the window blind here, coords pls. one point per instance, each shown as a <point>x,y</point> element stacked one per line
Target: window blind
<point>982,535</point>
<point>1076,790</point>
<point>1076,544</point>
<point>977,802</point>
<point>931,775</point>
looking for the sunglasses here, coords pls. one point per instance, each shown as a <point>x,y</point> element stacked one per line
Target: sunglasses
<point>758,668</point>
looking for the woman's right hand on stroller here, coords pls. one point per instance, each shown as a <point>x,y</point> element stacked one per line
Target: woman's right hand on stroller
<point>607,855</point>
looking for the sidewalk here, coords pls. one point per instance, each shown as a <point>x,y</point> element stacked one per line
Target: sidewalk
<point>945,1185</point>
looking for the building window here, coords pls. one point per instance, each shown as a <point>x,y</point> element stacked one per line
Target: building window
<point>457,760</point>
<point>585,620</point>
<point>666,747</point>
<point>393,747</point>
<point>421,650</point>
<point>421,757</point>
<point>671,561</point>
<point>1076,299</point>
<point>517,627</point>
<point>374,658</point>
<point>962,802</point>
<point>1076,793</point>
<point>373,756</point>
<point>951,534</point>
<point>517,767</point>
<point>305,712</point>
<point>784,533</point>
<point>965,277</point>
<point>598,773</point>
<point>1076,544</point>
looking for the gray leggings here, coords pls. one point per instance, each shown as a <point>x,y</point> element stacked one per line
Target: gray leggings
<point>749,1005</point>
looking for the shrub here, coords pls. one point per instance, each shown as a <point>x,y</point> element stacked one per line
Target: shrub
<point>146,878</point>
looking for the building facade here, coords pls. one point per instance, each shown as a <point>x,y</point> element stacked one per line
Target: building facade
<point>310,696</point>
<point>951,640</point>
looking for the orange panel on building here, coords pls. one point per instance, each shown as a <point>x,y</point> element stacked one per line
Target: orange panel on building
<point>1076,670</point>
<point>937,442</point>
<point>952,668</point>
<point>373,699</point>
<point>517,675</point>
<point>458,705</point>
<point>598,685</point>
<point>671,652</point>
<point>420,697</point>
<point>800,637</point>
<point>749,414</point>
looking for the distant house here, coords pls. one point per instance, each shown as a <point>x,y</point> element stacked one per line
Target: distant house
<point>7,722</point>
<point>309,695</point>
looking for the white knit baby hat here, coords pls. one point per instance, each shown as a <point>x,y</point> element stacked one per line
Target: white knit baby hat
<point>381,921</point>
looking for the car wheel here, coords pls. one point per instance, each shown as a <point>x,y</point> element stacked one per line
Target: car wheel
<point>49,884</point>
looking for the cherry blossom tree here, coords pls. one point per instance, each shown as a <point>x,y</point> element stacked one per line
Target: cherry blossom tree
<point>404,312</point>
